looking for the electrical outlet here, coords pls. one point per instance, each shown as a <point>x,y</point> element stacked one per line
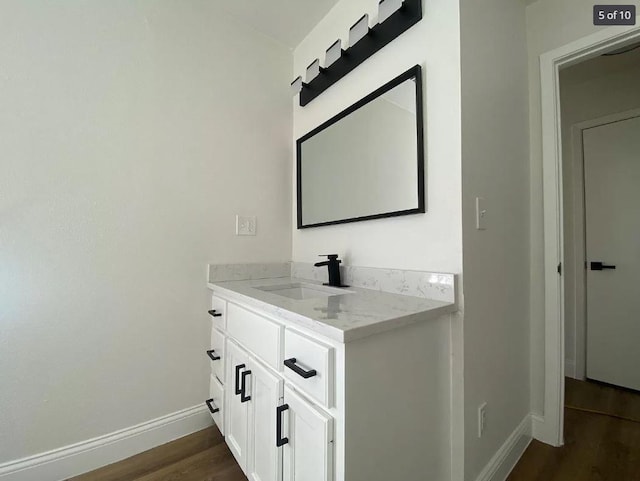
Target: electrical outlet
<point>245,225</point>
<point>482,419</point>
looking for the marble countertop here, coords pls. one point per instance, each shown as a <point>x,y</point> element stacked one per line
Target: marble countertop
<point>345,317</point>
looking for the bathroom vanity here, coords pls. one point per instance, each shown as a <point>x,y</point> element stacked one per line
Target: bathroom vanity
<point>313,383</point>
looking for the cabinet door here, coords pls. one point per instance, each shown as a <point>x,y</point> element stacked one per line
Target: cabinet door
<point>308,450</point>
<point>265,458</point>
<point>237,361</point>
<point>216,354</point>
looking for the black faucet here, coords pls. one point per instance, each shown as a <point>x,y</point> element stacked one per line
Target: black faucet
<point>334,270</point>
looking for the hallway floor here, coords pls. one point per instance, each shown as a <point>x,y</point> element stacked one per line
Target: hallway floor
<point>597,447</point>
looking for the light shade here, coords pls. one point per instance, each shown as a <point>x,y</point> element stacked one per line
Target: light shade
<point>313,70</point>
<point>386,8</point>
<point>296,85</point>
<point>359,30</point>
<point>333,53</point>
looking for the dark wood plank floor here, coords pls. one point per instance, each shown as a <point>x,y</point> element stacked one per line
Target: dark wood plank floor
<point>597,447</point>
<point>202,456</point>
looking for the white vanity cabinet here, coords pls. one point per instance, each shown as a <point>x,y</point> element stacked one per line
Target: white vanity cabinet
<point>299,406</point>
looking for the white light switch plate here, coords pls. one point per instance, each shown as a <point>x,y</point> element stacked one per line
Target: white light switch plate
<point>245,225</point>
<point>481,214</point>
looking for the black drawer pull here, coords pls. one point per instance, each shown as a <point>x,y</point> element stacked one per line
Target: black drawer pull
<point>214,313</point>
<point>211,354</point>
<point>237,387</point>
<point>243,389</point>
<point>280,441</point>
<point>212,408</point>
<point>291,364</point>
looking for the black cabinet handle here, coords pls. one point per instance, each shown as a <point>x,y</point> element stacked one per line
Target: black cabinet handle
<point>598,266</point>
<point>280,441</point>
<point>212,408</point>
<point>243,388</point>
<point>237,388</point>
<point>211,354</point>
<point>214,313</point>
<point>291,364</point>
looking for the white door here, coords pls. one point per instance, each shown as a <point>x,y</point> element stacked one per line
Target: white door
<point>237,361</point>
<point>265,458</point>
<point>612,202</point>
<point>308,448</point>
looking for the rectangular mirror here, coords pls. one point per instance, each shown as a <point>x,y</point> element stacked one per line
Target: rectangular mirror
<point>367,162</point>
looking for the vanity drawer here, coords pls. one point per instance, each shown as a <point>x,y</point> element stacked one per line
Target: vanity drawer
<point>216,354</point>
<point>309,365</point>
<point>218,312</point>
<point>215,403</point>
<point>256,333</point>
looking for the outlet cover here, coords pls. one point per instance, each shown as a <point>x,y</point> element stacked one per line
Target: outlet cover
<point>245,225</point>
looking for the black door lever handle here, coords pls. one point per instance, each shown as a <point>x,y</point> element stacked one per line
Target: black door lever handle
<point>599,266</point>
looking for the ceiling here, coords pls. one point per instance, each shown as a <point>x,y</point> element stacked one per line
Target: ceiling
<point>287,21</point>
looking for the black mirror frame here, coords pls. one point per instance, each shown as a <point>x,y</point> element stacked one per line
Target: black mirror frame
<point>413,72</point>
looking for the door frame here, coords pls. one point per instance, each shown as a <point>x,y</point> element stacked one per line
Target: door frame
<point>549,427</point>
<point>579,295</point>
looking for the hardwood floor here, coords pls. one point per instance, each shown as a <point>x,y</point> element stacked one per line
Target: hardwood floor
<point>202,456</point>
<point>597,447</point>
<point>603,397</point>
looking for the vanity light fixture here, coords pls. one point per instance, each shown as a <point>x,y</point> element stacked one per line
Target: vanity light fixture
<point>394,18</point>
<point>296,85</point>
<point>359,30</point>
<point>333,53</point>
<point>386,8</point>
<point>313,70</point>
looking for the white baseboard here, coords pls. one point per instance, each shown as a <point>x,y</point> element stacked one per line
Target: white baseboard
<point>91,454</point>
<point>499,467</point>
<point>538,427</point>
<point>544,432</point>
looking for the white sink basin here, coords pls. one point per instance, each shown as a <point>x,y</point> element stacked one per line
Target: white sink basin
<point>300,291</point>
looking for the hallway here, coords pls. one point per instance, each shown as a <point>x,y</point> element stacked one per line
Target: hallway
<point>597,447</point>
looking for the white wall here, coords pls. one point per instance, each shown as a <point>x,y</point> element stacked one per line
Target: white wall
<point>131,132</point>
<point>431,241</point>
<point>496,270</point>
<point>594,89</point>
<point>550,24</point>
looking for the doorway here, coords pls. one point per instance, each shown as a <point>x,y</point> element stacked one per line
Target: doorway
<point>602,251</point>
<point>548,427</point>
<point>598,95</point>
